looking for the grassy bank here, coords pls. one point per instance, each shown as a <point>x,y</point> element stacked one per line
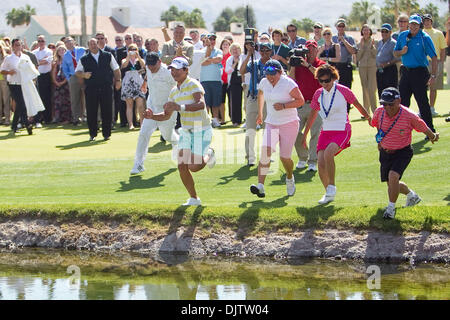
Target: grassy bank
<point>57,173</point>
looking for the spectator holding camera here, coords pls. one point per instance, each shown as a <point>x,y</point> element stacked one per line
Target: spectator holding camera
<point>366,57</point>
<point>257,73</point>
<point>280,50</point>
<point>304,75</point>
<point>330,51</point>
<point>234,80</point>
<point>132,68</point>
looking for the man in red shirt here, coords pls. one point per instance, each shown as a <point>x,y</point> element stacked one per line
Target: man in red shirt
<point>308,84</point>
<point>395,124</point>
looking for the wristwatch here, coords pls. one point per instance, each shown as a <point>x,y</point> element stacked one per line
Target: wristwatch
<point>433,76</point>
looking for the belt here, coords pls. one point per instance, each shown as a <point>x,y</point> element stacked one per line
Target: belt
<point>391,151</point>
<point>14,84</point>
<point>388,150</point>
<point>415,68</point>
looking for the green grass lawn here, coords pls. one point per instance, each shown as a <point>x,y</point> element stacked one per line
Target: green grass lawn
<point>58,170</point>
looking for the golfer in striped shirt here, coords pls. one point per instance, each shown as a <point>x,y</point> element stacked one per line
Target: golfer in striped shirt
<point>395,124</point>
<point>187,97</point>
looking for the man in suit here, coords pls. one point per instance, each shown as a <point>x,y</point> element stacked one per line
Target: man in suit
<point>177,47</point>
<point>70,60</point>
<point>97,68</point>
<point>119,105</point>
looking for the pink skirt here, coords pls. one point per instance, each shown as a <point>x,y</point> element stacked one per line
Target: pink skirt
<point>341,138</point>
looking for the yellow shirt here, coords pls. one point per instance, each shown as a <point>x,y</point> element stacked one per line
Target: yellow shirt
<point>438,40</point>
<point>191,120</point>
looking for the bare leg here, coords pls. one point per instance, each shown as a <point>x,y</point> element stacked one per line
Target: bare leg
<point>215,112</point>
<point>140,109</point>
<point>185,175</point>
<point>395,186</point>
<point>433,95</point>
<point>129,103</point>
<point>264,164</point>
<point>288,165</point>
<point>330,166</point>
<point>322,168</point>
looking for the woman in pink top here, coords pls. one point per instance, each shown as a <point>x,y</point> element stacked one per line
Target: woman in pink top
<point>330,102</point>
<point>225,47</point>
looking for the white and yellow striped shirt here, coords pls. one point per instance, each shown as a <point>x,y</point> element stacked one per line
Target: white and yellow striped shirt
<point>190,120</point>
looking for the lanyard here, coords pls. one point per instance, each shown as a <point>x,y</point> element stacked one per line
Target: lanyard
<point>279,47</point>
<point>381,49</point>
<point>331,102</point>
<point>393,123</point>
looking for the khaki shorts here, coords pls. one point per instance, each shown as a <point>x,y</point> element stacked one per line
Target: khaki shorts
<point>439,82</point>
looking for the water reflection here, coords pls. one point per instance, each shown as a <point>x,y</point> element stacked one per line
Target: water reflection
<point>35,274</point>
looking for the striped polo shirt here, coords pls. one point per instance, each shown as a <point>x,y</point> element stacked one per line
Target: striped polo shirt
<point>400,134</point>
<point>190,120</point>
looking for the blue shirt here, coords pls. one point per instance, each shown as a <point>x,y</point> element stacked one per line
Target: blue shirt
<point>298,41</point>
<point>385,51</point>
<point>213,71</point>
<point>419,47</point>
<point>257,74</point>
<point>67,62</point>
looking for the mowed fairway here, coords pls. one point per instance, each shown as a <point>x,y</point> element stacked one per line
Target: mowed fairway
<point>58,166</point>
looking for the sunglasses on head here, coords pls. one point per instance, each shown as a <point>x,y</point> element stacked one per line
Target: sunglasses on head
<point>328,80</point>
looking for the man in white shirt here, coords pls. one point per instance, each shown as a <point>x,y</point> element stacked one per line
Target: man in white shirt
<point>45,57</point>
<point>195,36</point>
<point>9,68</point>
<point>97,68</point>
<point>159,82</point>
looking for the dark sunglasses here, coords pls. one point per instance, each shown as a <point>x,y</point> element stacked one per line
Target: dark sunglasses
<point>327,34</point>
<point>127,38</point>
<point>387,104</point>
<point>100,38</point>
<point>291,30</point>
<point>41,40</point>
<point>265,50</point>
<point>328,80</point>
<point>118,39</point>
<point>384,31</point>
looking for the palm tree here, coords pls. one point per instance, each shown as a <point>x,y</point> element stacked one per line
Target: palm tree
<point>64,12</point>
<point>94,17</point>
<point>83,39</point>
<point>361,11</point>
<point>17,17</point>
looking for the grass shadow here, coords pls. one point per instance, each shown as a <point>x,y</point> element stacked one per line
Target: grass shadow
<point>243,173</point>
<point>160,147</point>
<point>299,176</point>
<point>317,215</point>
<point>248,219</point>
<point>419,147</point>
<point>447,198</point>
<point>11,135</point>
<point>136,182</point>
<point>81,144</point>
<point>379,223</point>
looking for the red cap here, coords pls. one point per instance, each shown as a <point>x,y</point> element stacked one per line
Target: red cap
<point>311,43</point>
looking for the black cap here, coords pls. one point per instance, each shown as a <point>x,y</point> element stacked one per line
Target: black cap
<point>427,16</point>
<point>151,58</point>
<point>389,95</point>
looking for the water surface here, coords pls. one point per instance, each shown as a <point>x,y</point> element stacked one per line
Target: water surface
<point>70,275</point>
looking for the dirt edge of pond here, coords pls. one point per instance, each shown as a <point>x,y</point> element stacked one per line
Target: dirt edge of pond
<point>326,243</point>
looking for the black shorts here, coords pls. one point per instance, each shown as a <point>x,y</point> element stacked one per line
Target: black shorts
<point>397,161</point>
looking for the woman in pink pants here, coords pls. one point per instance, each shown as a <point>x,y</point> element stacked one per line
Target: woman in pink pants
<point>282,97</point>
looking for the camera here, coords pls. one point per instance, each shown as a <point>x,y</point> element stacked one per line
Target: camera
<point>250,39</point>
<point>296,54</point>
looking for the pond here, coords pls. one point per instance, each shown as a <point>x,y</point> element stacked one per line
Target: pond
<point>73,275</point>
